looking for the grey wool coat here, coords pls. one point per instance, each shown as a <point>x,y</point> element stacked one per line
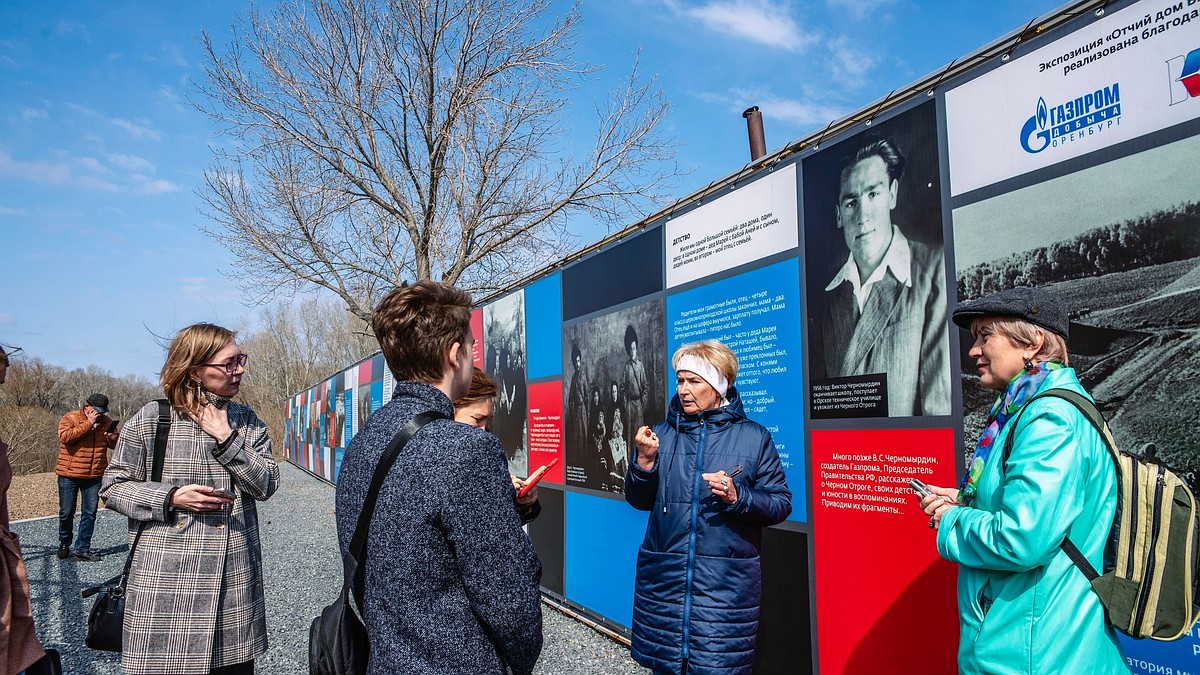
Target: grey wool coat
<point>195,595</point>
<point>451,580</point>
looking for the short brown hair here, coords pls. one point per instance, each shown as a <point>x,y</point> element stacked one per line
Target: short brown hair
<point>416,324</point>
<point>714,352</point>
<point>483,388</point>
<point>192,346</point>
<point>1021,333</point>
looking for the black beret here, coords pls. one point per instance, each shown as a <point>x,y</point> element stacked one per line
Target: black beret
<point>1036,305</point>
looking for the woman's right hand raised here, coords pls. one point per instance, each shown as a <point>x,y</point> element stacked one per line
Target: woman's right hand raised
<point>200,498</point>
<point>647,448</point>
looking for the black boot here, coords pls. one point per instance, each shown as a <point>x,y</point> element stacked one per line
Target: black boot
<point>64,550</point>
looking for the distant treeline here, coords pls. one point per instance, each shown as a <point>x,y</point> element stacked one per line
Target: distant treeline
<point>294,346</point>
<point>1160,237</point>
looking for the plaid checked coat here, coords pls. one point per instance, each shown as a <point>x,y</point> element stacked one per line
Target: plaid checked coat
<point>195,594</point>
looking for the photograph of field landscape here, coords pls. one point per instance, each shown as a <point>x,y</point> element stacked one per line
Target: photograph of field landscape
<point>1120,243</point>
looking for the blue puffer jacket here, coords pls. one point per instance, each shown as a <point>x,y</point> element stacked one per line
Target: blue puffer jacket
<point>697,591</point>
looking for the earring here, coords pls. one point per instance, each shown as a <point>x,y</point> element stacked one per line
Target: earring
<point>199,390</point>
<point>1029,365</point>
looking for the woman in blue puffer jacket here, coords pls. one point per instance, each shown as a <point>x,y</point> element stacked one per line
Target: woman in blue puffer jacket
<point>711,480</point>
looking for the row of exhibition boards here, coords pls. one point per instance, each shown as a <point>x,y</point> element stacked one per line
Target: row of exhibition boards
<point>1068,162</point>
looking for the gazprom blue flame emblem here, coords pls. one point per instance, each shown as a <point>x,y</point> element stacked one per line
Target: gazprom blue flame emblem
<point>1035,127</point>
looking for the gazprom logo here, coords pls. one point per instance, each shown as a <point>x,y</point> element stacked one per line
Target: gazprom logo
<point>1070,120</point>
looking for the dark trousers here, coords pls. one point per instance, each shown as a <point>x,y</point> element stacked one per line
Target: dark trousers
<point>68,489</point>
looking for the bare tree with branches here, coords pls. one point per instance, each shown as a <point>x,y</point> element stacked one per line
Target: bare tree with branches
<point>383,140</point>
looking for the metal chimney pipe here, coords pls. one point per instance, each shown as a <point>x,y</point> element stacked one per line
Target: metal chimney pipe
<point>754,127</point>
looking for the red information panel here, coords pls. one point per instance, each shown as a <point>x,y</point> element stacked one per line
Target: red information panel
<point>477,333</point>
<point>545,428</point>
<point>885,599</point>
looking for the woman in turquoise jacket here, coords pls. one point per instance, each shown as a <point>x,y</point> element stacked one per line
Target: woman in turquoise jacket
<point>1024,606</point>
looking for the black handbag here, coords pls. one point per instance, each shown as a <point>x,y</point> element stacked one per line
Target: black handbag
<point>337,639</point>
<point>107,618</point>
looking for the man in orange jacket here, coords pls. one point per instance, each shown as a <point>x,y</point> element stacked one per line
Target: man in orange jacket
<point>86,435</point>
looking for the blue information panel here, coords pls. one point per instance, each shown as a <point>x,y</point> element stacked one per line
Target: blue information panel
<point>543,316</point>
<point>757,315</point>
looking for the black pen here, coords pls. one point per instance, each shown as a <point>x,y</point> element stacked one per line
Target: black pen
<point>734,471</point>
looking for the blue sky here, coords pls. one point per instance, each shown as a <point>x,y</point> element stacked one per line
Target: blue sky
<point>101,152</point>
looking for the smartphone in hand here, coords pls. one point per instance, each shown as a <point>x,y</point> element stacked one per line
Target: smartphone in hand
<point>536,476</point>
<point>920,488</point>
<point>221,492</point>
<point>112,427</point>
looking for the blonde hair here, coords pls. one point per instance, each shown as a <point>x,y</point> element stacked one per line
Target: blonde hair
<point>1021,333</point>
<point>714,352</point>
<point>192,346</point>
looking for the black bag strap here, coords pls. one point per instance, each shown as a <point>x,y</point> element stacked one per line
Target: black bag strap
<point>161,429</point>
<point>359,542</point>
<point>1096,418</point>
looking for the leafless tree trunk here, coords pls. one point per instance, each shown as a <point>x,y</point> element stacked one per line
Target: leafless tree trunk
<point>378,141</point>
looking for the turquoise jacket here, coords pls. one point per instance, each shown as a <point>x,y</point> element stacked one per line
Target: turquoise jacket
<point>1024,606</point>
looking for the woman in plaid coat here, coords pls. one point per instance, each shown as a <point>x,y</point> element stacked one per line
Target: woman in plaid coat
<point>194,601</point>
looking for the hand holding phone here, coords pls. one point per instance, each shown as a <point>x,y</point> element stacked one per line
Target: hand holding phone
<point>112,427</point>
<point>920,488</point>
<point>536,477</point>
<point>221,492</point>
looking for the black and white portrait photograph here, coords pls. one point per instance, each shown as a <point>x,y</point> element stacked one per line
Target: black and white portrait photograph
<point>876,272</point>
<point>614,374</point>
<point>1119,244</point>
<point>504,360</point>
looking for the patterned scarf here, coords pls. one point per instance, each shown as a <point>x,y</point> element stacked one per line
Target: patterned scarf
<point>1018,392</point>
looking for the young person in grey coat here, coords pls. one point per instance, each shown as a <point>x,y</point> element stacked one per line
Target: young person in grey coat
<point>451,580</point>
<point>194,602</point>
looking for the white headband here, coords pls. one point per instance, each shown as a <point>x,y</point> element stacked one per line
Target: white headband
<point>705,370</point>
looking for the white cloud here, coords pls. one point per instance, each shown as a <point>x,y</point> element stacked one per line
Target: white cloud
<point>6,211</point>
<point>54,173</point>
<point>848,63</point>
<point>130,162</point>
<point>801,115</point>
<point>87,173</point>
<point>767,22</point>
<point>153,186</point>
<point>858,9</point>
<point>34,114</point>
<point>67,28</point>
<point>139,128</point>
<point>172,53</point>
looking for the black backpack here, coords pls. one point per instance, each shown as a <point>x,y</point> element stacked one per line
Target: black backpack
<point>337,639</point>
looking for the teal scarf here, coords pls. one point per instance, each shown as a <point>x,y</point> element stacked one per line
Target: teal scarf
<point>1018,392</point>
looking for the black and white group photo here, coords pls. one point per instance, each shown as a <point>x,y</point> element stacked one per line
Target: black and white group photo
<point>504,360</point>
<point>613,383</point>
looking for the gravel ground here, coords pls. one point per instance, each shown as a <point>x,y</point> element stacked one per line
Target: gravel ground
<point>33,495</point>
<point>302,575</point>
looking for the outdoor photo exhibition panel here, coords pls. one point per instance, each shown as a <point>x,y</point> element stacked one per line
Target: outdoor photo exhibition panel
<point>1089,168</point>
<point>1066,159</point>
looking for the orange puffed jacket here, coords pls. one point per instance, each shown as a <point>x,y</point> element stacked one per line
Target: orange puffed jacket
<point>84,450</point>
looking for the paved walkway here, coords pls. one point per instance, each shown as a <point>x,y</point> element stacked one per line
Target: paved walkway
<point>302,574</point>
